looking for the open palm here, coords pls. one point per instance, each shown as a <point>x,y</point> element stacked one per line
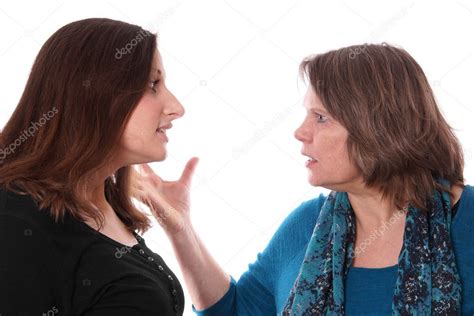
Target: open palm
<point>169,201</point>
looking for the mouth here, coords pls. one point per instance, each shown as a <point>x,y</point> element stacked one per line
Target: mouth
<point>310,157</point>
<point>162,130</point>
<point>311,160</point>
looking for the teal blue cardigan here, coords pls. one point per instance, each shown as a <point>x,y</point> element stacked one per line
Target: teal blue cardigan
<point>264,288</point>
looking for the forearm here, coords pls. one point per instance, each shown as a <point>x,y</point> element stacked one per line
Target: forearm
<point>206,281</point>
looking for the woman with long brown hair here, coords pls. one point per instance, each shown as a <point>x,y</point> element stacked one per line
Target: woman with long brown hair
<point>95,103</point>
<point>394,236</point>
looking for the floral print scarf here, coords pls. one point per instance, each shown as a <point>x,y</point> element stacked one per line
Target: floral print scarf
<point>428,282</point>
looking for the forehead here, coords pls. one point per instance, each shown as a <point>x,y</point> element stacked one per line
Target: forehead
<point>157,66</point>
<point>312,101</point>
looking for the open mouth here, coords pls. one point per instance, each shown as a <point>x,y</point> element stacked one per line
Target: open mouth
<point>310,160</point>
<point>161,130</point>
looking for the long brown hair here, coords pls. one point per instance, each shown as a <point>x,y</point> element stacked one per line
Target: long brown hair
<point>85,82</point>
<point>398,138</point>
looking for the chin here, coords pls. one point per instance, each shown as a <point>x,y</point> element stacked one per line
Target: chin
<point>156,157</point>
<point>161,157</point>
<point>319,182</point>
<point>312,180</point>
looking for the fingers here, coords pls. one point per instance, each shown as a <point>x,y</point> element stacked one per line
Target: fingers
<point>136,192</point>
<point>186,176</point>
<point>188,171</point>
<point>146,168</point>
<point>147,172</point>
<point>161,209</point>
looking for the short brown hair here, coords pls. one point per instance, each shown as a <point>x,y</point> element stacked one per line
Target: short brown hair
<point>398,138</point>
<point>84,85</point>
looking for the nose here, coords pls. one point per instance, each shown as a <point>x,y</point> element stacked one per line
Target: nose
<point>175,108</point>
<point>302,133</point>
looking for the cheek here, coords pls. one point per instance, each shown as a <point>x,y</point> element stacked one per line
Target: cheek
<point>333,154</point>
<point>141,125</point>
<point>329,147</point>
<point>145,118</point>
<point>341,165</point>
<point>133,137</point>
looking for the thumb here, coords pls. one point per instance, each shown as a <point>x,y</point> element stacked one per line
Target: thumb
<point>188,171</point>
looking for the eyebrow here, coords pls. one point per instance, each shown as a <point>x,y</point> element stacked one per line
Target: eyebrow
<point>320,110</point>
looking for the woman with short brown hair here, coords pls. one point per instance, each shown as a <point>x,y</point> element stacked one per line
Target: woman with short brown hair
<point>394,235</point>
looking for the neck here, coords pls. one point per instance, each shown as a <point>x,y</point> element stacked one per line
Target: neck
<point>96,194</point>
<point>370,209</point>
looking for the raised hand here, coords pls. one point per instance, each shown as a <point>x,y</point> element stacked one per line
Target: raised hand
<point>169,201</point>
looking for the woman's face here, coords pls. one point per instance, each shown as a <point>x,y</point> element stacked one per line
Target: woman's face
<point>144,138</point>
<point>324,143</point>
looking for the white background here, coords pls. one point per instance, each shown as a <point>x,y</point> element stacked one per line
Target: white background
<point>234,66</point>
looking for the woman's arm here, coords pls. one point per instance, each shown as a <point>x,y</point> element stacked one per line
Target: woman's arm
<point>210,287</point>
<point>170,205</point>
<point>206,281</point>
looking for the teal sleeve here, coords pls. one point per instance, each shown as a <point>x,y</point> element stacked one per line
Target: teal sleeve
<point>264,287</point>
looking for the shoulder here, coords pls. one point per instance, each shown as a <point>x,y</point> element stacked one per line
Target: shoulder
<point>306,212</point>
<point>24,225</point>
<point>29,268</point>
<point>23,213</point>
<point>468,194</point>
<point>464,218</point>
<point>57,245</point>
<point>287,245</point>
<point>23,208</point>
<point>298,226</point>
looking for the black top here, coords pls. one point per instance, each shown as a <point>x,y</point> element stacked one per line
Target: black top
<point>68,268</point>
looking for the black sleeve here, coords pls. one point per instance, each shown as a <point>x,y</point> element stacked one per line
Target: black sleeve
<point>25,281</point>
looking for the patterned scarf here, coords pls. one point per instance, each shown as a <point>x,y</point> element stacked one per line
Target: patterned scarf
<point>428,282</point>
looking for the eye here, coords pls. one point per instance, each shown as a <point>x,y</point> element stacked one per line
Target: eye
<point>153,85</point>
<point>321,118</point>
